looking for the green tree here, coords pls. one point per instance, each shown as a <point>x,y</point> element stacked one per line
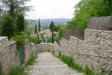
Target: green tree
<point>20,22</point>
<point>90,8</point>
<point>52,30</point>
<point>14,6</point>
<point>16,9</point>
<point>8,26</point>
<point>108,9</point>
<point>35,28</point>
<point>39,26</point>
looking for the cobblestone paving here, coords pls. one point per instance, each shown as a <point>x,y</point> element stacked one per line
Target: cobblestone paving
<point>47,64</point>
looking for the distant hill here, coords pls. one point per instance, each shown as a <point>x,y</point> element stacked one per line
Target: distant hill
<point>59,21</point>
<point>46,22</point>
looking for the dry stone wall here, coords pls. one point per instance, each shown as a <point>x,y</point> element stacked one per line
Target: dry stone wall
<point>31,49</point>
<point>95,50</point>
<point>8,54</point>
<point>76,32</point>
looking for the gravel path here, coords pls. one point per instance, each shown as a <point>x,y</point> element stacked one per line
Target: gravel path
<point>47,64</point>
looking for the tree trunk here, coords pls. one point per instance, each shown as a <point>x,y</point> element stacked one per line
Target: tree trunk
<point>52,37</point>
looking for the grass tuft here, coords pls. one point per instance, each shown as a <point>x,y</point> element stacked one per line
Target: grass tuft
<point>17,71</point>
<point>30,61</point>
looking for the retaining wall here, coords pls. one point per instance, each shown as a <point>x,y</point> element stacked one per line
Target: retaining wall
<point>31,49</point>
<point>8,54</point>
<point>95,50</point>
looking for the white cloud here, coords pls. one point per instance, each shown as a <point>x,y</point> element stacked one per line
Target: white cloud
<point>51,9</point>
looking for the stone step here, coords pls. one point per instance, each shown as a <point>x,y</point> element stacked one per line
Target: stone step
<point>47,64</point>
<point>50,72</point>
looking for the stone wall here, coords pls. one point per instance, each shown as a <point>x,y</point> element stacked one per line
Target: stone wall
<point>31,49</point>
<point>8,54</point>
<point>74,32</point>
<point>100,23</point>
<point>95,50</point>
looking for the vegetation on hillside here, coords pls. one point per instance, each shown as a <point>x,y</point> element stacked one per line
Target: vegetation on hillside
<point>90,8</point>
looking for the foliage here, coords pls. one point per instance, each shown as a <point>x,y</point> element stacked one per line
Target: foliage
<point>39,26</point>
<point>56,28</point>
<point>14,6</point>
<point>8,27</point>
<point>0,26</point>
<point>1,69</point>
<point>34,40</point>
<point>20,70</point>
<point>108,8</point>
<point>52,30</point>
<point>89,8</point>
<point>61,28</point>
<point>24,37</point>
<point>17,71</point>
<point>59,53</point>
<point>35,28</point>
<point>20,22</point>
<point>14,10</point>
<point>69,61</point>
<point>49,40</point>
<point>52,26</point>
<point>30,61</point>
<point>20,39</point>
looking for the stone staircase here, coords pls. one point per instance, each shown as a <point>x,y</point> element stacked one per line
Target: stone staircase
<point>47,64</point>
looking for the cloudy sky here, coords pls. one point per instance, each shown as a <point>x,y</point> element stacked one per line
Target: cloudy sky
<point>51,9</point>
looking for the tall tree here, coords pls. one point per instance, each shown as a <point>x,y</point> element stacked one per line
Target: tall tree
<point>35,28</point>
<point>8,26</point>
<point>20,22</point>
<point>39,26</point>
<point>108,3</point>
<point>14,6</point>
<point>52,30</point>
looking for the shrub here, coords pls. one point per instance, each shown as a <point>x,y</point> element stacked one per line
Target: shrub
<point>34,40</point>
<point>20,39</point>
<point>49,40</point>
<point>23,38</point>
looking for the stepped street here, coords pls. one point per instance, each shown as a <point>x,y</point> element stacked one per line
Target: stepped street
<point>47,64</point>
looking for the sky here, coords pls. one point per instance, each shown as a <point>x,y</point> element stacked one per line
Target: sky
<point>50,9</point>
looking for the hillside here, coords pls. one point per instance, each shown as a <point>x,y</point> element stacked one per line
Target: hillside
<point>45,22</point>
